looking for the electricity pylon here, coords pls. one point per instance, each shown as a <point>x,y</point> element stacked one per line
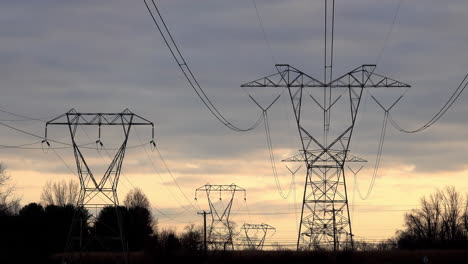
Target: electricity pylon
<point>325,221</point>
<point>220,235</point>
<point>255,235</point>
<point>97,192</point>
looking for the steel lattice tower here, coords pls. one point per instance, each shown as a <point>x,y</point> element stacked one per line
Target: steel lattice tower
<point>97,192</point>
<point>325,221</point>
<point>220,234</point>
<point>255,235</point>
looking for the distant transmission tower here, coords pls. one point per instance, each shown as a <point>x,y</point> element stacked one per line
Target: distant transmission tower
<point>325,221</point>
<point>220,235</point>
<point>254,235</point>
<point>97,192</point>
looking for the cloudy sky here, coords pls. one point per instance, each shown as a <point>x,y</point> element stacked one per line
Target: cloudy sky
<point>105,56</point>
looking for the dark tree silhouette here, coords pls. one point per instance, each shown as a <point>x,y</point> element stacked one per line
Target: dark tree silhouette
<point>37,231</point>
<point>32,211</point>
<point>140,226</point>
<point>136,223</point>
<point>60,218</point>
<point>441,221</point>
<point>168,242</point>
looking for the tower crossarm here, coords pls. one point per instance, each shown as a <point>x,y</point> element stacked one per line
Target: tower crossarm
<point>317,155</point>
<point>364,77</point>
<point>100,119</point>
<point>257,226</point>
<point>287,76</point>
<point>220,188</point>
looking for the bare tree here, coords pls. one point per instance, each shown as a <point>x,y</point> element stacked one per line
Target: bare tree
<point>136,198</point>
<point>60,193</point>
<point>9,203</point>
<point>465,216</point>
<point>442,217</point>
<point>452,214</point>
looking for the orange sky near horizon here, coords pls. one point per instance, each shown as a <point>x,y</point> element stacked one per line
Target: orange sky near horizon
<point>398,189</point>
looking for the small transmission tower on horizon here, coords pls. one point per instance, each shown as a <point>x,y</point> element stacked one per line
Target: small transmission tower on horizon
<point>325,221</point>
<point>97,192</point>
<point>255,235</point>
<point>220,235</point>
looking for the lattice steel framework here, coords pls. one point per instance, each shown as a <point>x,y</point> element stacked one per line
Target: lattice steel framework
<point>98,192</point>
<point>220,234</point>
<point>254,235</point>
<point>325,221</point>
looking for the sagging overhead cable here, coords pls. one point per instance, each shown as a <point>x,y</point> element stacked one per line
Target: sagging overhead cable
<point>379,150</point>
<point>270,147</point>
<point>461,87</point>
<point>377,160</point>
<point>192,80</point>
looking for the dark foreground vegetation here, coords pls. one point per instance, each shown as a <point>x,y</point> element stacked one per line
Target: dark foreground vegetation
<point>437,232</point>
<point>288,257</point>
<point>37,234</point>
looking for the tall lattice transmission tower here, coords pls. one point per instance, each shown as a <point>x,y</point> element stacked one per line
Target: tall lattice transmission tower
<point>325,221</point>
<point>97,192</point>
<point>220,234</point>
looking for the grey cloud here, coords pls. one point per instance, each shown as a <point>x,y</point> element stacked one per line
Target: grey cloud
<point>105,56</point>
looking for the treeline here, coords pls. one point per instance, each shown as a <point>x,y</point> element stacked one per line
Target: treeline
<point>440,222</point>
<point>37,233</point>
<point>42,231</point>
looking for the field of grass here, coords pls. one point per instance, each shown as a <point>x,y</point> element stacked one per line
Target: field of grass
<point>289,257</point>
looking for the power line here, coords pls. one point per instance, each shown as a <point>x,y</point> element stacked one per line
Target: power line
<point>85,146</point>
<point>68,145</point>
<point>125,177</point>
<point>272,159</point>
<point>162,181</point>
<point>358,120</point>
<point>455,95</point>
<point>192,80</point>
<point>25,118</point>
<point>265,37</point>
<point>270,145</point>
<point>377,160</point>
<point>27,133</point>
<point>24,146</point>
<point>380,147</point>
<point>291,213</point>
<point>21,145</point>
<point>173,178</point>
<point>395,15</point>
<point>108,154</point>
<point>69,168</point>
<point>65,163</point>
